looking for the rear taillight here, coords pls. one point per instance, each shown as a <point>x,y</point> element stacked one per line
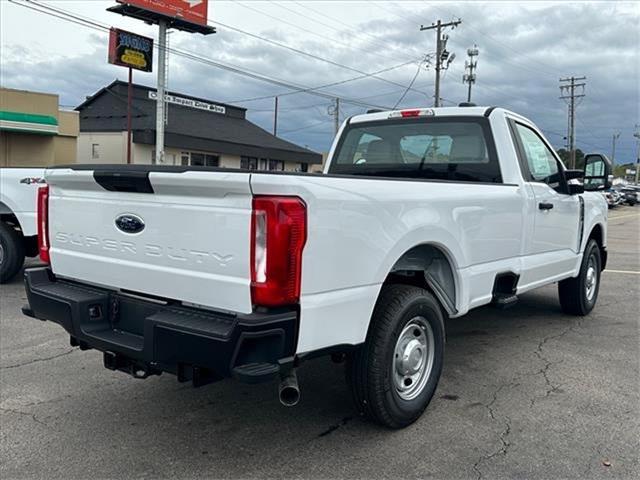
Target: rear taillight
<point>278,235</point>
<point>43,223</point>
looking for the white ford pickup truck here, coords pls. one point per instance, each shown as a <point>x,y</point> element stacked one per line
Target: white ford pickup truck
<point>420,215</point>
<point>18,233</point>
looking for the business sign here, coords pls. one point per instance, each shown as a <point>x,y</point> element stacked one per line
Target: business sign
<point>130,50</point>
<point>190,102</point>
<point>192,11</point>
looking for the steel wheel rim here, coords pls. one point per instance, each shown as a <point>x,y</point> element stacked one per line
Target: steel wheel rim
<point>591,281</point>
<point>413,358</point>
<point>1,254</point>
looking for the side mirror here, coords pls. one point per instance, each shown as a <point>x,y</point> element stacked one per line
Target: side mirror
<point>597,172</point>
<point>574,187</point>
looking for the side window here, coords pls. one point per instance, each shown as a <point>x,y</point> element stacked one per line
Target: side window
<point>541,161</point>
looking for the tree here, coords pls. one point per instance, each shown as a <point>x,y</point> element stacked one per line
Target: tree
<point>563,153</point>
<point>621,170</point>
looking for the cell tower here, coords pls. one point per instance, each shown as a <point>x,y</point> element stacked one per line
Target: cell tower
<point>470,67</point>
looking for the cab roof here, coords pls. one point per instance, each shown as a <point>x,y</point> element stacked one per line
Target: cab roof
<point>426,112</point>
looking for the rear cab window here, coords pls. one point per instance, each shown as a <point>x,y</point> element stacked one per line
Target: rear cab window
<point>447,148</point>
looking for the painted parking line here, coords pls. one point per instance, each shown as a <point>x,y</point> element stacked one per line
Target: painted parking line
<point>629,272</point>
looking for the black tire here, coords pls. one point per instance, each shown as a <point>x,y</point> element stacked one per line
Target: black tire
<point>574,295</point>
<point>371,370</point>
<point>11,252</point>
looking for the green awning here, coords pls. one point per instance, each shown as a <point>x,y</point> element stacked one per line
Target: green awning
<point>28,123</point>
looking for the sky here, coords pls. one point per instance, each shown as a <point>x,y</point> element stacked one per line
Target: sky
<point>524,49</point>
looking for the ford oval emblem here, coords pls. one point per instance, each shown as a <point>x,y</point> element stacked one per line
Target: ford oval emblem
<point>129,223</point>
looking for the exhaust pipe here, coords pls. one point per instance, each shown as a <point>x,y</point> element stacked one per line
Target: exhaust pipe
<point>289,392</point>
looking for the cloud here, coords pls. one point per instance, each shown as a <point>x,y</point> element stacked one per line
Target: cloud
<point>524,49</point>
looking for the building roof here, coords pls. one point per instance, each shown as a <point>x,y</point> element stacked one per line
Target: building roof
<point>205,125</point>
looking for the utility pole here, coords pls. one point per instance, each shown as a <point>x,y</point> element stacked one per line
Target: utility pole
<point>160,103</point>
<point>275,118</point>
<point>637,135</point>
<point>568,91</point>
<point>442,55</point>
<point>470,77</point>
<point>334,110</point>
<point>615,137</point>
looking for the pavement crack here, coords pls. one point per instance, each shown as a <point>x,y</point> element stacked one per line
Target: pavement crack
<point>30,415</point>
<point>504,434</point>
<point>335,427</point>
<point>37,360</point>
<point>544,371</point>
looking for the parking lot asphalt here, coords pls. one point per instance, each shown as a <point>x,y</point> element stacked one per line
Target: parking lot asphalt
<point>525,393</point>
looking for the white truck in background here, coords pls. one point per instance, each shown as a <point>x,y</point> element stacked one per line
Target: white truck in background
<point>420,215</point>
<point>18,230</point>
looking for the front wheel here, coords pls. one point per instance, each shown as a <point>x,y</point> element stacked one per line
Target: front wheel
<point>578,295</point>
<point>11,252</point>
<point>394,375</point>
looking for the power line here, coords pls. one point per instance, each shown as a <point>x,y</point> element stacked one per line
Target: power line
<point>305,53</point>
<point>308,32</point>
<point>407,89</point>
<point>333,84</point>
<point>77,19</point>
<point>218,64</point>
<point>313,125</point>
<point>372,38</point>
<point>516,64</point>
<point>83,21</point>
<point>315,20</point>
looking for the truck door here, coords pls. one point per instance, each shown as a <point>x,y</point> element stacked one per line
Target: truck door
<point>552,248</point>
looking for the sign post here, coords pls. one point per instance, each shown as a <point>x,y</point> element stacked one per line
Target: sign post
<point>186,15</point>
<point>133,51</point>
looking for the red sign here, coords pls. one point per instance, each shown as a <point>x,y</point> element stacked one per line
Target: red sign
<point>193,11</point>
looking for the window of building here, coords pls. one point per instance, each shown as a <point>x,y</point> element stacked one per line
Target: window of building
<point>304,167</point>
<point>211,160</point>
<point>95,150</point>
<point>249,163</point>
<point>276,165</point>
<point>253,163</point>
<point>198,159</point>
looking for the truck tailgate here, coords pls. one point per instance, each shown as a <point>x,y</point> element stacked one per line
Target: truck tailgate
<point>194,244</point>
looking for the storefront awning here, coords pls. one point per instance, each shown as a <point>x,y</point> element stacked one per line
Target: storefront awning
<point>28,123</point>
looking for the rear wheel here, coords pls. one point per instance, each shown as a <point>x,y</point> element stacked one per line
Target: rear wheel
<point>578,295</point>
<point>11,252</point>
<point>395,374</point>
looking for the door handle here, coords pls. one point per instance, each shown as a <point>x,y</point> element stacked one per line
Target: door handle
<point>545,206</point>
